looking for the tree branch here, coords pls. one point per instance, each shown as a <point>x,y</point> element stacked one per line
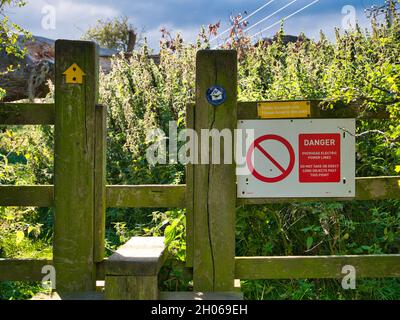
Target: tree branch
<point>374,131</point>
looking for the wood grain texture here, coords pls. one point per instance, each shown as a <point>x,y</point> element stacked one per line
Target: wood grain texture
<point>248,111</point>
<point>26,114</point>
<point>38,114</point>
<point>214,184</point>
<point>378,188</point>
<point>369,188</point>
<point>132,271</point>
<point>190,116</point>
<point>27,196</point>
<point>22,269</point>
<point>131,288</point>
<point>316,267</point>
<point>140,256</point>
<point>201,296</point>
<point>101,269</point>
<point>74,167</point>
<point>100,182</point>
<point>140,196</point>
<point>56,296</point>
<point>146,196</point>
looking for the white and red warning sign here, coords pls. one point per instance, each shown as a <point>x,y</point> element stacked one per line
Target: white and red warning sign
<point>298,158</point>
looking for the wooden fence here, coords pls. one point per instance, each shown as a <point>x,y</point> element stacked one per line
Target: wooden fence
<point>80,195</point>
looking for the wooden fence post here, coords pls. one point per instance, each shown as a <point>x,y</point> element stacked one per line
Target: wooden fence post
<point>100,151</point>
<point>190,116</point>
<point>215,184</point>
<point>74,196</point>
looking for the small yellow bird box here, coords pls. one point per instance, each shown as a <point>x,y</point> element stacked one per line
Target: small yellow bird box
<point>74,74</point>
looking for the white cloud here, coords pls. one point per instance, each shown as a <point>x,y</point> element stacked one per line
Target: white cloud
<point>75,16</point>
<point>74,9</point>
<point>311,25</point>
<point>71,17</point>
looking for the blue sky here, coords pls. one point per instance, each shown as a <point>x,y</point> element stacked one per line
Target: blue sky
<point>75,16</point>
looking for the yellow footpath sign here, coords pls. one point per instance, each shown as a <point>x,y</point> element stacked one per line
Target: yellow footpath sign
<point>284,109</point>
<point>74,74</point>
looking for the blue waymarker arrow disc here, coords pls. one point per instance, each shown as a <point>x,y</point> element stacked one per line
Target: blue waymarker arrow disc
<point>216,95</point>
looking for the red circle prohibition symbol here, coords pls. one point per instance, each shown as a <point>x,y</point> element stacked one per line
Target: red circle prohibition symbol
<point>256,145</point>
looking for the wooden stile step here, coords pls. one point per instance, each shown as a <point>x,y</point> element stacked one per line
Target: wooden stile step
<point>132,271</point>
<point>201,296</point>
<point>139,256</point>
<point>75,296</point>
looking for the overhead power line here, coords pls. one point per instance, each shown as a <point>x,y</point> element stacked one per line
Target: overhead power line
<point>285,18</point>
<point>270,16</point>
<point>244,18</point>
<point>266,18</point>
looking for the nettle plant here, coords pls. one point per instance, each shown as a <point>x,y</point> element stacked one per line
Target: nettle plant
<point>362,67</point>
<point>143,92</point>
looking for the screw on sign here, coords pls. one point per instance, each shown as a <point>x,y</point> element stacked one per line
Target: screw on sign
<point>285,170</point>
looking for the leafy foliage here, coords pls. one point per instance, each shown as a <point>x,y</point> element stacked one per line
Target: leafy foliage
<point>9,33</point>
<point>359,68</point>
<point>111,34</point>
<point>26,157</point>
<point>143,94</point>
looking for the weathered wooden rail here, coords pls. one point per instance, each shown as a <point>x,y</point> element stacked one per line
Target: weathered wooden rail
<point>316,267</point>
<point>174,196</point>
<point>41,114</point>
<point>80,194</point>
<point>27,114</point>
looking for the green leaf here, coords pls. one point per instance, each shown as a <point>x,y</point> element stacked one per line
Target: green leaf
<point>169,234</point>
<point>30,229</point>
<point>309,242</point>
<point>19,237</point>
